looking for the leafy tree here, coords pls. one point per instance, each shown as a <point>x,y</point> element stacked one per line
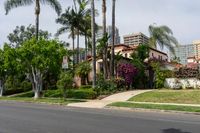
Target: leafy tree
<point>83,70</point>
<point>22,34</point>
<point>163,36</point>
<point>10,4</point>
<point>38,58</point>
<point>138,59</point>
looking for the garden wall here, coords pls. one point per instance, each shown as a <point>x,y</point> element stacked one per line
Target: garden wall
<point>178,83</point>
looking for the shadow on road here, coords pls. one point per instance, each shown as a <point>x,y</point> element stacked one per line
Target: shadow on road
<point>172,130</point>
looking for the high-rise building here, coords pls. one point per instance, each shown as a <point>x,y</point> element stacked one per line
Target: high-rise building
<point>99,34</point>
<point>183,52</point>
<point>136,39</point>
<point>197,49</point>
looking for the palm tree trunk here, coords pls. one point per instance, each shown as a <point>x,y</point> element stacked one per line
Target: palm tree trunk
<point>104,33</point>
<point>93,43</point>
<point>78,49</point>
<point>37,13</point>
<point>73,37</point>
<point>113,39</point>
<point>86,46</point>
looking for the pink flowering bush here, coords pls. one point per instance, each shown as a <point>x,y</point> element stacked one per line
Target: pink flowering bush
<point>126,71</point>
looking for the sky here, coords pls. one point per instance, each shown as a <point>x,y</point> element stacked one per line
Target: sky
<point>132,16</point>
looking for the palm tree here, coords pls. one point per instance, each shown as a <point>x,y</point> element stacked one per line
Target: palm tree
<point>104,35</point>
<point>93,42</point>
<point>113,39</point>
<point>80,12</point>
<point>10,4</point>
<point>163,36</point>
<point>67,20</point>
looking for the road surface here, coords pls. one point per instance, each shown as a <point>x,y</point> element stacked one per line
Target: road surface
<point>34,118</point>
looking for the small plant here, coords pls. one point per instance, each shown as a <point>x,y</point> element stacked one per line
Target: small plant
<point>65,82</point>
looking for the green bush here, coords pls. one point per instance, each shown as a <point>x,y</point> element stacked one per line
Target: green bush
<point>82,94</point>
<point>53,93</point>
<point>85,87</point>
<point>105,87</point>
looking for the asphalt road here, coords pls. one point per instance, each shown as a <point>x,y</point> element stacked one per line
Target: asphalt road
<point>33,118</point>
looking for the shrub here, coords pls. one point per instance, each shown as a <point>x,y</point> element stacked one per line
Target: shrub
<point>85,87</point>
<point>127,71</point>
<point>53,93</point>
<point>65,82</point>
<point>82,94</point>
<point>105,87</point>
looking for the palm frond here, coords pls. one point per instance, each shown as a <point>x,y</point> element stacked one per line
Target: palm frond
<point>55,4</point>
<point>10,4</point>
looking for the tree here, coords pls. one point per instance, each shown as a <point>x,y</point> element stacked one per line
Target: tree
<point>83,70</point>
<point>138,60</point>
<point>2,72</point>
<point>39,57</point>
<point>113,39</point>
<point>9,4</point>
<point>163,36</point>
<point>21,34</point>
<point>105,57</point>
<point>93,43</point>
<point>68,21</point>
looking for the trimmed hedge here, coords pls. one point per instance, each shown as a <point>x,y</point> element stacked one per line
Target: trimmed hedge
<point>72,93</point>
<point>82,94</point>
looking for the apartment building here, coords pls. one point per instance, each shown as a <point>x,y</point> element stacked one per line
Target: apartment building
<point>99,34</point>
<point>136,39</point>
<point>183,52</point>
<point>197,49</point>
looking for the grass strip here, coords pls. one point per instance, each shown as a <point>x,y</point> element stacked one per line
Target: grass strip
<point>60,101</point>
<point>155,106</point>
<point>169,96</point>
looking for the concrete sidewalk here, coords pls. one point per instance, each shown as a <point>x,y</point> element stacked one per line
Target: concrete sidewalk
<point>119,97</point>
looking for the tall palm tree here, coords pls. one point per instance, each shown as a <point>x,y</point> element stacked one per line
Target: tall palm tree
<point>10,4</point>
<point>81,11</point>
<point>93,42</point>
<point>105,68</point>
<point>67,20</point>
<point>163,36</point>
<point>113,39</point>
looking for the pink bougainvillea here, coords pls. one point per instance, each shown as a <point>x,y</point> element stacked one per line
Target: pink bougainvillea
<point>126,71</point>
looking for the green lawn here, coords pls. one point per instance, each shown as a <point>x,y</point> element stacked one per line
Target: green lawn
<point>169,96</point>
<point>41,100</point>
<point>154,106</point>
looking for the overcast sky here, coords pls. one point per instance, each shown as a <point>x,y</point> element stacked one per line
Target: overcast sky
<point>132,16</point>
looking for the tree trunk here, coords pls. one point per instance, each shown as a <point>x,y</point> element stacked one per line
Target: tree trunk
<point>37,81</point>
<point>86,46</point>
<point>78,50</point>
<point>37,13</point>
<point>73,37</point>
<point>113,39</point>
<point>93,43</point>
<point>104,33</point>
<point>1,88</point>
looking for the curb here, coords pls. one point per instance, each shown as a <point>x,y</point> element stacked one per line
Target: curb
<point>150,110</point>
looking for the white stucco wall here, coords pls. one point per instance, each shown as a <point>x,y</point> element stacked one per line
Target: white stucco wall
<point>175,83</point>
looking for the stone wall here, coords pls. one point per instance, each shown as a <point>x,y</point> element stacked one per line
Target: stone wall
<point>177,83</point>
